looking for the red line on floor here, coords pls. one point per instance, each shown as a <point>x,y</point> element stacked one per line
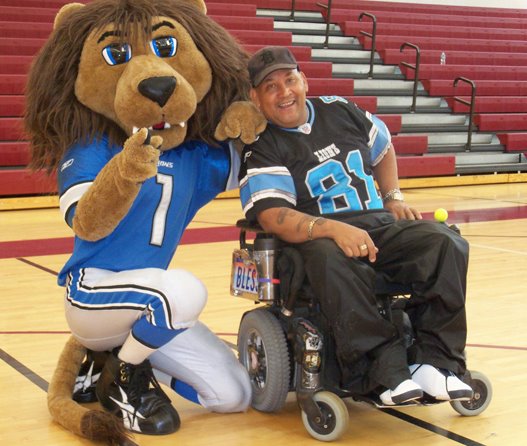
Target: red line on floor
<point>64,245</point>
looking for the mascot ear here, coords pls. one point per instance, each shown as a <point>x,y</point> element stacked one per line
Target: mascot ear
<point>65,11</point>
<point>200,4</point>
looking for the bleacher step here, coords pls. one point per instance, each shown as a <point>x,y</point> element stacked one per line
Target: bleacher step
<point>420,122</point>
<point>344,56</point>
<point>441,138</point>
<point>306,28</point>
<point>281,15</point>
<point>358,71</point>
<point>333,41</point>
<point>490,162</point>
<point>383,87</point>
<point>402,104</point>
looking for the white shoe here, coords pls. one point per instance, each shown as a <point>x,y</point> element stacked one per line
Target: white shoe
<point>440,384</point>
<point>408,390</point>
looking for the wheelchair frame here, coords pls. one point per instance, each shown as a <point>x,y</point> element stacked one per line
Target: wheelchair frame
<point>286,336</point>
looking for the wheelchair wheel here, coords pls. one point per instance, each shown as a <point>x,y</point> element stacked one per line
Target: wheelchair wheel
<point>262,349</point>
<point>482,396</point>
<point>336,413</point>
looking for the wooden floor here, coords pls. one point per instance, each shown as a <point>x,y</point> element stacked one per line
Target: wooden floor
<point>34,245</point>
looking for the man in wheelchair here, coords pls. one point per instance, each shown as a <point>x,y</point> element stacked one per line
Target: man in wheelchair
<point>323,178</point>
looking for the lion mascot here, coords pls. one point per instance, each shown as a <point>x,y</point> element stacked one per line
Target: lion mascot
<point>130,102</point>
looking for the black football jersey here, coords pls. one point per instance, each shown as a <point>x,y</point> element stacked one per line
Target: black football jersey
<point>322,167</point>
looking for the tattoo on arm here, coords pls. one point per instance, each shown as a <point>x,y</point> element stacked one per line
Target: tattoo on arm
<point>284,212</point>
<point>300,217</point>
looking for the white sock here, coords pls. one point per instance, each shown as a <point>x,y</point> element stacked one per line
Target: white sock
<point>133,351</point>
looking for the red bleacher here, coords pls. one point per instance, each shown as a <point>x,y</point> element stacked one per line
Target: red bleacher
<point>473,72</point>
<point>393,122</point>
<point>393,56</point>
<point>11,106</point>
<point>313,5</point>
<point>487,45</point>
<point>14,153</point>
<point>14,64</point>
<point>426,166</point>
<point>501,121</point>
<point>24,182</point>
<point>410,144</point>
<point>12,83</point>
<point>446,44</point>
<point>441,87</point>
<point>46,14</point>
<point>340,16</point>
<point>456,32</point>
<point>490,104</point>
<point>514,142</point>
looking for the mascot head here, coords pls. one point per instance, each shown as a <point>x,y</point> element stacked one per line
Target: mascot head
<point>113,66</point>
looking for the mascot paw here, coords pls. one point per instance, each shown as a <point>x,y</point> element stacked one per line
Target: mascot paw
<point>140,156</point>
<point>241,120</point>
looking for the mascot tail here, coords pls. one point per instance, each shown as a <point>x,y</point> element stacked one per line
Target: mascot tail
<point>95,425</point>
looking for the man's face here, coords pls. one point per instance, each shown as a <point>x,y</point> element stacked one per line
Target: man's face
<point>281,97</point>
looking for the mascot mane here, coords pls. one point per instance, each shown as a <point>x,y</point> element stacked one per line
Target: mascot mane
<point>57,120</point>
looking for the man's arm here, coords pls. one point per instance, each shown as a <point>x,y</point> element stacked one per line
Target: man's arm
<point>385,173</point>
<point>296,227</point>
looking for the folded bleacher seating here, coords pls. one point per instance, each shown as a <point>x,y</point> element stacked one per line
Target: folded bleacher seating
<point>486,45</point>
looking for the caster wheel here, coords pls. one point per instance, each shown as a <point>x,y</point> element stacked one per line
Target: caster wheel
<point>262,348</point>
<point>337,417</point>
<point>482,396</point>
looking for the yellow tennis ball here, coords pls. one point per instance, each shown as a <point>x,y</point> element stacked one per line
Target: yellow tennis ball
<point>441,215</point>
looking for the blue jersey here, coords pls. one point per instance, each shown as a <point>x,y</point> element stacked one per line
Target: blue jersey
<point>188,177</point>
<point>322,167</point>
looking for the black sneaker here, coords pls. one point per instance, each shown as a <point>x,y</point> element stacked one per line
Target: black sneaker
<point>125,390</point>
<point>89,373</point>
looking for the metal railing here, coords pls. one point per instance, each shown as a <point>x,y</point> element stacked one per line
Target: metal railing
<point>292,16</point>
<point>471,104</point>
<point>372,36</point>
<point>416,71</point>
<point>328,21</point>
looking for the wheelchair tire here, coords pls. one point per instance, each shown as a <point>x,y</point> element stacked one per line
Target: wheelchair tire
<point>337,417</point>
<point>262,349</point>
<point>482,396</point>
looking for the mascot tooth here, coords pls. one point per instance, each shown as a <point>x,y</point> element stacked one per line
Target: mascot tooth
<point>118,85</point>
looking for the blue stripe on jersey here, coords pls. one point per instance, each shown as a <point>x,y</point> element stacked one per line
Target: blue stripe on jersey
<point>119,297</point>
<point>380,140</point>
<point>274,185</point>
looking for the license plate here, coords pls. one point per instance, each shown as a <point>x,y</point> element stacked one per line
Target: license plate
<point>244,278</point>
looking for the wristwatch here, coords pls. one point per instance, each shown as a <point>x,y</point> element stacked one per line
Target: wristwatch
<point>394,194</point>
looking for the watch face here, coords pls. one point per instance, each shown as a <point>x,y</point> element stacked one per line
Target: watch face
<point>398,196</point>
<point>394,195</point>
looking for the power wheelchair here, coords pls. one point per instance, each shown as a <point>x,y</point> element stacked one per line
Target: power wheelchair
<point>285,344</point>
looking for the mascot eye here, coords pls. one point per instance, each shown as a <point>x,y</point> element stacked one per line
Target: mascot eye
<point>116,54</point>
<point>164,46</point>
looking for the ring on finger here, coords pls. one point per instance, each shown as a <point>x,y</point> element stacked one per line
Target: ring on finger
<point>363,247</point>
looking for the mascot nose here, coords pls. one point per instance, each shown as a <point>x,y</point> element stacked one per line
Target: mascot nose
<point>158,89</point>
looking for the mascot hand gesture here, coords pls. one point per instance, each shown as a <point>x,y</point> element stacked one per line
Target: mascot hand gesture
<point>123,101</point>
<point>122,177</point>
<point>140,156</point>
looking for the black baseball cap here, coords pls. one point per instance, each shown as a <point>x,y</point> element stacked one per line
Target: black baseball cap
<point>267,60</point>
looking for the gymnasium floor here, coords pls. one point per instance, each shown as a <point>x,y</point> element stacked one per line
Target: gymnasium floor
<point>34,245</point>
